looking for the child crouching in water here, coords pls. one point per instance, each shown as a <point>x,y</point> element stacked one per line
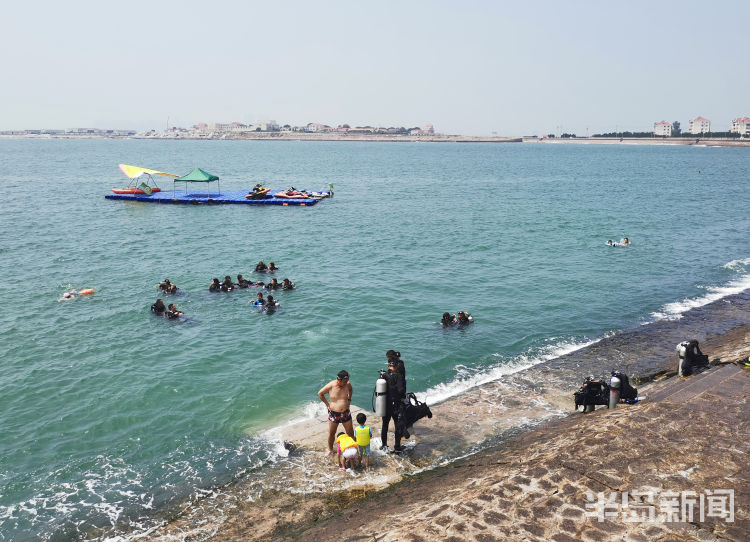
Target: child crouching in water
<point>346,447</point>
<point>363,434</point>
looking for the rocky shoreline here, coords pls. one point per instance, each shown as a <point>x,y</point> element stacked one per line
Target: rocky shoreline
<point>530,485</point>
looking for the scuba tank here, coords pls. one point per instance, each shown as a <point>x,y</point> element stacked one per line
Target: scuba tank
<point>614,391</point>
<point>381,390</point>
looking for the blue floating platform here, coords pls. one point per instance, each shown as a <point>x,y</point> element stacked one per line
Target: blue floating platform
<point>214,198</point>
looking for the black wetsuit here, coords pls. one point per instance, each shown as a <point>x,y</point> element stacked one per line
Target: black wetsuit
<point>394,405</point>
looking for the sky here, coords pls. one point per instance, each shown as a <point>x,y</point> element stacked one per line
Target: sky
<point>468,67</point>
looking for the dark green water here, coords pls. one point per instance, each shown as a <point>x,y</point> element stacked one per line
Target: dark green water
<point>110,413</point>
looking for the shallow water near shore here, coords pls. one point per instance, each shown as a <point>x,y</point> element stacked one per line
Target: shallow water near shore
<point>111,416</point>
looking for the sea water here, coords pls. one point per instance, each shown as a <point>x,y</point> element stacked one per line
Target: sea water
<point>109,414</point>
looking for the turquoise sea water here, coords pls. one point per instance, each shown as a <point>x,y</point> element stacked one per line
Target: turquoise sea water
<point>109,414</point>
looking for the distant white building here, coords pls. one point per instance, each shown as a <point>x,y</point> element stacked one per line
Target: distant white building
<point>267,125</point>
<point>699,125</point>
<point>741,125</point>
<point>663,128</point>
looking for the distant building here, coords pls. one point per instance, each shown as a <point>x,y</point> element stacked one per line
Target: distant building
<point>741,125</point>
<point>426,130</point>
<point>699,125</point>
<point>663,129</point>
<point>267,125</point>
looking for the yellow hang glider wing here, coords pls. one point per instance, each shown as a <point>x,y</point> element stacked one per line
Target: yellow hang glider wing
<point>133,172</point>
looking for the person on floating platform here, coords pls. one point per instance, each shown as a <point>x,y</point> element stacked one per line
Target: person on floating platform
<point>287,284</point>
<point>215,286</point>
<point>261,267</point>
<point>172,312</point>
<point>448,320</point>
<point>227,285</point>
<point>159,308</point>
<point>272,267</point>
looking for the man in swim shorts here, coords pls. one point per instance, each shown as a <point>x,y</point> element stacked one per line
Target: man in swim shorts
<point>339,398</point>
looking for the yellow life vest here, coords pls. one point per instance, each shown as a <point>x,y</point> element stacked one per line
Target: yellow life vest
<point>362,434</point>
<point>345,441</point>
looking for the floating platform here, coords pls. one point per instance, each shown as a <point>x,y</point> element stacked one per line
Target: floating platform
<point>216,198</point>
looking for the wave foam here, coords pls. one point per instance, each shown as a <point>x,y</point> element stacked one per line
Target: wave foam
<point>675,310</point>
<point>468,378</point>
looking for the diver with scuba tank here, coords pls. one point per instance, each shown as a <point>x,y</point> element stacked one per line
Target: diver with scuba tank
<point>390,402</point>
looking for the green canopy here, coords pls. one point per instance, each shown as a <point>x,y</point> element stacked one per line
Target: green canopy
<point>198,176</point>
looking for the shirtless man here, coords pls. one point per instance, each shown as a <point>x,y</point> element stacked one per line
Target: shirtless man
<point>340,397</point>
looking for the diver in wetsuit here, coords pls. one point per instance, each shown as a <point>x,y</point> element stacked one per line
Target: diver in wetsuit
<point>394,404</point>
<point>215,286</point>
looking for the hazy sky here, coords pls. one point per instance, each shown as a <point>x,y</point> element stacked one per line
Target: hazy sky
<point>468,67</point>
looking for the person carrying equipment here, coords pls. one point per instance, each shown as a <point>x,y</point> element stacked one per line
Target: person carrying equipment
<point>394,404</point>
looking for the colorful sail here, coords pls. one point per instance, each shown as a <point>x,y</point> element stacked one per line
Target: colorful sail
<point>133,172</point>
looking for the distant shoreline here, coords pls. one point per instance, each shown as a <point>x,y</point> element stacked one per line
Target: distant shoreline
<point>284,136</point>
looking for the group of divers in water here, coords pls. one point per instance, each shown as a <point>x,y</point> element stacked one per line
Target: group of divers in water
<point>269,304</point>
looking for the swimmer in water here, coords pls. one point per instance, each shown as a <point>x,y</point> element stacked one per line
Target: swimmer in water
<point>272,267</point>
<point>273,284</point>
<point>287,284</point>
<point>464,318</point>
<point>227,285</point>
<point>271,304</point>
<point>68,295</point>
<point>448,320</point>
<point>172,312</point>
<point>259,302</point>
<point>158,308</point>
<point>215,286</point>
<point>625,241</point>
<point>261,267</point>
<point>241,282</point>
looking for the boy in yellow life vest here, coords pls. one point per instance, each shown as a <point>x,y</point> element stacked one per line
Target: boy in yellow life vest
<point>347,450</point>
<point>363,434</point>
